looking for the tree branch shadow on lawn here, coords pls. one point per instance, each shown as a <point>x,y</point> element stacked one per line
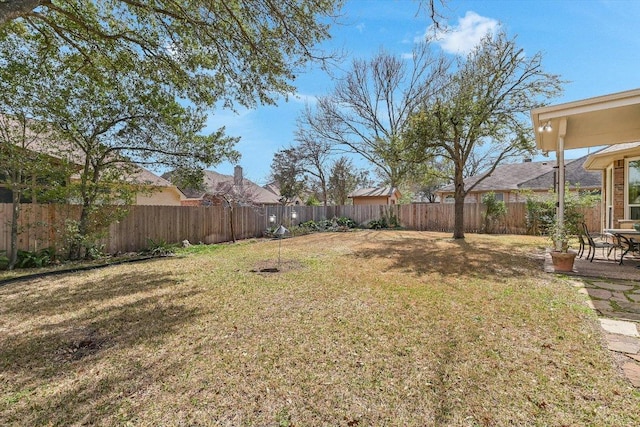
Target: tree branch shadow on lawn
<point>457,257</point>
<point>55,350</point>
<point>51,295</point>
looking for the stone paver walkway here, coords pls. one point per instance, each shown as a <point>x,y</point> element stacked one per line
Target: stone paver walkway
<point>614,293</point>
<point>618,306</point>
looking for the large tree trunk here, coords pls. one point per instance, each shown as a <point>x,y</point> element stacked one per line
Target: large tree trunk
<point>15,216</point>
<point>78,242</point>
<point>459,195</point>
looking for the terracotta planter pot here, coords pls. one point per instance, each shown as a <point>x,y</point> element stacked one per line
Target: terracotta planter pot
<point>563,261</point>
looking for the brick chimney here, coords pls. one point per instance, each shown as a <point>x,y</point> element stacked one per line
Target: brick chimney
<point>237,175</point>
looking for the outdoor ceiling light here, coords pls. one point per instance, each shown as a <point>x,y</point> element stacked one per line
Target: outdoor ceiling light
<point>294,214</point>
<point>272,218</point>
<point>545,127</point>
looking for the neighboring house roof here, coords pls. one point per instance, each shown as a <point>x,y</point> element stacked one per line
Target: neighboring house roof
<point>145,176</point>
<point>274,188</point>
<point>530,175</point>
<point>374,192</point>
<point>45,142</point>
<point>575,174</point>
<point>214,181</point>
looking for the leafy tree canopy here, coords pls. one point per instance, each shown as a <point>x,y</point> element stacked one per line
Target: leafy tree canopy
<point>483,108</point>
<point>207,51</point>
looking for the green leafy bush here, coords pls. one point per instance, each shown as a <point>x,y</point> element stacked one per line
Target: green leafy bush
<point>386,221</point>
<point>160,247</point>
<point>541,211</point>
<point>378,224</point>
<point>334,224</point>
<point>344,221</point>
<point>495,210</point>
<point>4,260</point>
<point>36,259</point>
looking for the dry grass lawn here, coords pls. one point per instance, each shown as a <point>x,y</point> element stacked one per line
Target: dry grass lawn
<point>356,329</point>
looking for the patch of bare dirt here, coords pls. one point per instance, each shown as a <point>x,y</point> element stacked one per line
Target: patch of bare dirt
<point>271,266</point>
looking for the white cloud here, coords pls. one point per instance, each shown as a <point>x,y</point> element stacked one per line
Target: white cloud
<point>462,38</point>
<point>361,27</point>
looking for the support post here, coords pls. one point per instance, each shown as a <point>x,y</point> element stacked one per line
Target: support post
<point>562,131</point>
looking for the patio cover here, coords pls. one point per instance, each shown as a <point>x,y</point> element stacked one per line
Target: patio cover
<point>603,120</point>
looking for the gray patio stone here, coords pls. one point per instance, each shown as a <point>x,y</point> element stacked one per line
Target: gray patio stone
<point>620,327</point>
<point>601,305</point>
<point>619,297</point>
<point>634,297</point>
<point>599,293</point>
<point>623,344</point>
<point>630,307</point>
<point>613,286</point>
<point>627,316</point>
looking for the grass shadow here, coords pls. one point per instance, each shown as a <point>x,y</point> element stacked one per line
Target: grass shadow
<point>51,295</point>
<point>52,353</point>
<point>453,257</point>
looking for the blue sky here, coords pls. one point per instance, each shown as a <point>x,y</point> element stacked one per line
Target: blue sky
<point>594,45</point>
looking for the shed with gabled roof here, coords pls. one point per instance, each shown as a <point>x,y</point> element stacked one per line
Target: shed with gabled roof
<point>376,196</point>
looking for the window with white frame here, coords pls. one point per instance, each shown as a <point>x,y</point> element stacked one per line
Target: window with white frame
<point>633,188</point>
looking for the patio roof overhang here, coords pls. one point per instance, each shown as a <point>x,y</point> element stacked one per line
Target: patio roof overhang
<point>603,120</point>
<point>602,159</point>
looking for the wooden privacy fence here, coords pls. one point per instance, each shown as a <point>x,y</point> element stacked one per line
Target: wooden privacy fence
<point>44,225</point>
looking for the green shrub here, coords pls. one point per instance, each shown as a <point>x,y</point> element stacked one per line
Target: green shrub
<point>35,259</point>
<point>378,224</point>
<point>4,260</point>
<point>160,247</point>
<point>334,224</point>
<point>495,210</point>
<point>541,211</point>
<point>347,222</point>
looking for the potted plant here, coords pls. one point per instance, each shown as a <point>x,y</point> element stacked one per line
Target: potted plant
<point>561,257</point>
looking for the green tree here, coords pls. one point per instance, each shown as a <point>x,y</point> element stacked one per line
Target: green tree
<point>288,174</point>
<point>111,124</point>
<point>483,108</point>
<point>30,166</point>
<point>210,52</point>
<point>344,178</point>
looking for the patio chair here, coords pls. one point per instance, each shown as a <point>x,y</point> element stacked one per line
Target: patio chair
<point>594,241</point>
<point>626,245</point>
<point>582,239</point>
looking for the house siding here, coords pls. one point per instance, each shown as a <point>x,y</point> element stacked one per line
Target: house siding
<point>382,200</point>
<point>164,197</point>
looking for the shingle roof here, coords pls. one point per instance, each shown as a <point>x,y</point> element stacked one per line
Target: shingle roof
<point>531,175</point>
<point>46,143</point>
<point>213,180</point>
<point>374,192</point>
<point>575,174</point>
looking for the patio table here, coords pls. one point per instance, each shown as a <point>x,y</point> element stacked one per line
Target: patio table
<point>625,239</point>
